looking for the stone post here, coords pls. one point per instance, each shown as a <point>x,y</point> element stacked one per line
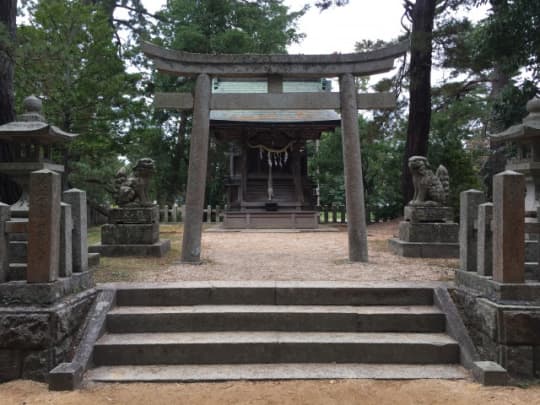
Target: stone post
<point>509,227</point>
<point>66,237</point>
<point>352,163</point>
<point>5,215</point>
<point>469,201</point>
<point>209,214</point>
<point>174,213</point>
<point>198,158</point>
<point>44,227</point>
<point>77,199</point>
<point>538,239</point>
<point>485,240</point>
<point>166,214</point>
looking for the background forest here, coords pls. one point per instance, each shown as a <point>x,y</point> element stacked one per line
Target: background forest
<point>82,58</point>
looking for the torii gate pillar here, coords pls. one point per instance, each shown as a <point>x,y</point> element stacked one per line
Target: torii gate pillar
<point>352,166</point>
<point>198,162</point>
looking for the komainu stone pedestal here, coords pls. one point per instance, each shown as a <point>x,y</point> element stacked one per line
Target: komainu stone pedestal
<point>132,231</point>
<point>427,231</point>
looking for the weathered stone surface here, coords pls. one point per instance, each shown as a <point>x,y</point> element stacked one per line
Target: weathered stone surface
<point>134,215</point>
<point>132,190</point>
<point>44,227</point>
<point>4,242</point>
<point>66,235</point>
<point>196,184</point>
<point>428,232</point>
<point>24,331</point>
<point>18,252</point>
<point>36,365</point>
<point>10,364</point>
<point>489,373</point>
<point>518,360</point>
<point>187,64</point>
<point>469,201</point>
<point>77,199</point>
<point>42,294</point>
<point>423,249</point>
<point>521,327</point>
<point>509,229</point>
<point>429,188</point>
<point>484,259</point>
<point>130,234</point>
<point>158,249</point>
<point>352,165</point>
<point>537,360</point>
<point>425,213</point>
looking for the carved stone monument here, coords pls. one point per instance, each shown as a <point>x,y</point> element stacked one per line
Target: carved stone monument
<point>133,227</point>
<point>428,229</point>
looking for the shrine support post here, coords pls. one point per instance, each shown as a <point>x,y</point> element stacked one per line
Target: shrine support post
<point>196,184</point>
<point>352,163</point>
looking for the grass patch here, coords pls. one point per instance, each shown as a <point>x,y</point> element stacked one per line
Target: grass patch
<point>117,269</point>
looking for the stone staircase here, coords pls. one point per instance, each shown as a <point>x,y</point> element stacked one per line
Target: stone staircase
<point>273,330</point>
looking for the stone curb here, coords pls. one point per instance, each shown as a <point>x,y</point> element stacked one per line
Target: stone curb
<point>68,376</point>
<point>484,372</point>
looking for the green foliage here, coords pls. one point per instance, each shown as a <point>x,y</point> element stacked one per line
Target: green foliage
<point>67,57</point>
<point>381,164</point>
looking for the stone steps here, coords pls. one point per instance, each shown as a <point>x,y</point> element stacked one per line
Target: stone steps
<point>276,318</point>
<point>294,371</point>
<point>216,331</point>
<point>274,347</point>
<point>271,293</point>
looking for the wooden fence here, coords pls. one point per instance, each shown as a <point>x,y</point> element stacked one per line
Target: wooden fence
<point>175,213</point>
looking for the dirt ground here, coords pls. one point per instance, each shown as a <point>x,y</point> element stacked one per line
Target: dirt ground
<point>342,392</point>
<point>255,255</point>
<point>278,256</point>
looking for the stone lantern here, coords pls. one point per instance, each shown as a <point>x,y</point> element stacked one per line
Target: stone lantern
<point>31,139</point>
<point>525,139</point>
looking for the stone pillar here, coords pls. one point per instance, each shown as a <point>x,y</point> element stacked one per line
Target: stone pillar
<point>66,237</point>
<point>165,214</point>
<point>77,199</point>
<point>198,158</point>
<point>485,240</point>
<point>174,213</point>
<point>352,163</point>
<point>509,227</point>
<point>209,214</point>
<point>469,201</point>
<point>5,215</point>
<point>44,227</point>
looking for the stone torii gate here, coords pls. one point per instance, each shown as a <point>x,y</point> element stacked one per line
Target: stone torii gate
<point>275,68</point>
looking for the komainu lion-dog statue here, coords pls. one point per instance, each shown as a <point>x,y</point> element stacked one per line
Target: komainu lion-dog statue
<point>429,189</point>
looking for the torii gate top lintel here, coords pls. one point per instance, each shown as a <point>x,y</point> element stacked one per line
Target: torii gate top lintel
<point>248,65</point>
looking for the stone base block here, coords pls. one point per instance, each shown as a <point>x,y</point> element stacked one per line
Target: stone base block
<point>35,338</point>
<point>489,373</point>
<point>158,249</point>
<point>426,213</point>
<point>130,234</point>
<point>424,249</point>
<point>16,293</point>
<point>135,215</point>
<point>432,232</point>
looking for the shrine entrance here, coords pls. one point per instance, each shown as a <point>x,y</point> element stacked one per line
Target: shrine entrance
<point>268,185</point>
<point>276,69</point>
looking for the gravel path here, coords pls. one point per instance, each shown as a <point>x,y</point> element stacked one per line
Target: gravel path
<point>303,256</point>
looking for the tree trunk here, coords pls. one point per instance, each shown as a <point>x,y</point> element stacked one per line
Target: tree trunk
<point>8,14</point>
<point>423,14</point>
